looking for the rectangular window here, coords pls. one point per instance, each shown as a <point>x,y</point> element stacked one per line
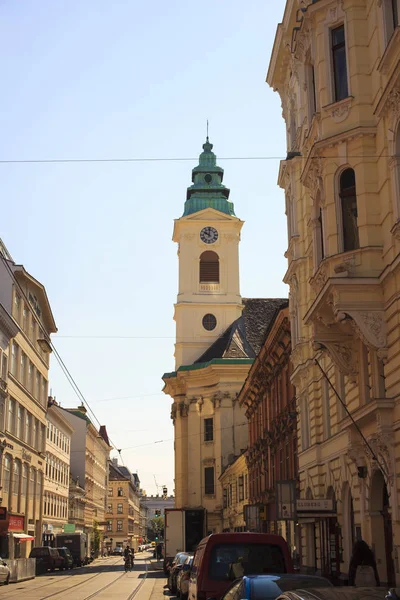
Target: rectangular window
<point>36,392</point>
<point>2,414</point>
<point>339,63</point>
<point>305,424</point>
<point>326,409</point>
<point>11,416</point>
<point>119,509</point>
<point>32,484</point>
<point>25,315</point>
<point>119,525</point>
<point>241,488</point>
<point>24,479</point>
<point>120,492</point>
<point>7,475</point>
<point>34,432</point>
<point>110,508</point>
<point>110,492</point>
<point>19,422</point>
<point>208,430</point>
<point>22,369</point>
<point>14,359</point>
<point>4,366</point>
<point>32,330</point>
<point>17,307</point>
<point>28,432</point>
<point>30,376</point>
<point>209,486</point>
<point>109,525</point>
<point>225,497</point>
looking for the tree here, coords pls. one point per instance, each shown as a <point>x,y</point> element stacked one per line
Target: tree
<point>156,528</point>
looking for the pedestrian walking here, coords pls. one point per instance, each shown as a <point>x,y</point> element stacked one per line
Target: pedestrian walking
<point>363,571</point>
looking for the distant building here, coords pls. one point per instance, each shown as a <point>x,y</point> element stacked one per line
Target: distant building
<point>155,504</point>
<point>90,452</point>
<point>235,491</point>
<point>123,508</point>
<point>56,480</point>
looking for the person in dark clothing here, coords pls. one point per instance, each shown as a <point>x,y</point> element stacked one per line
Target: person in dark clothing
<point>362,558</point>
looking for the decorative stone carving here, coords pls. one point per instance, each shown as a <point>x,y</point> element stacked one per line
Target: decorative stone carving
<point>319,280</point>
<point>343,356</point>
<point>340,111</point>
<point>392,104</point>
<point>183,409</point>
<point>313,177</point>
<point>174,409</point>
<point>370,326</point>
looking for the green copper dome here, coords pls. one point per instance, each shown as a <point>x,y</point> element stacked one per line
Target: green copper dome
<point>207,190</point>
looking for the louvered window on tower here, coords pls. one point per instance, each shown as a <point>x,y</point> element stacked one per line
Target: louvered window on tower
<point>209,267</point>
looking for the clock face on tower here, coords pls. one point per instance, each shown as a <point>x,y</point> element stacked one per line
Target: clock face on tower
<point>208,235</point>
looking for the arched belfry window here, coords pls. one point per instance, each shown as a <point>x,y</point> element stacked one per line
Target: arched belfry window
<point>209,267</point>
<point>348,205</point>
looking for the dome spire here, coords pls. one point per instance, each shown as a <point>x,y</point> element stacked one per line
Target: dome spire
<point>207,189</point>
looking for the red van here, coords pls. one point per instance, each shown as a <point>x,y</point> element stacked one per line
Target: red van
<point>222,557</point>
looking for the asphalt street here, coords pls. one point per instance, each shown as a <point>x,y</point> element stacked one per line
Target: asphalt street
<point>104,579</point>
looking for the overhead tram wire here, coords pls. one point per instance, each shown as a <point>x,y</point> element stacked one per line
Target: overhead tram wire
<point>64,368</point>
<point>173,159</point>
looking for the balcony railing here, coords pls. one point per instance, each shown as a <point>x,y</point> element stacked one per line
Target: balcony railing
<point>209,287</point>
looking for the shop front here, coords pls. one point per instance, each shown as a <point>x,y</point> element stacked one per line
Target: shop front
<point>322,536</point>
<point>13,538</point>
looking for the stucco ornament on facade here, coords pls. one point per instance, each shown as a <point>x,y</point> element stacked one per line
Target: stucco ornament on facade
<point>369,325</point>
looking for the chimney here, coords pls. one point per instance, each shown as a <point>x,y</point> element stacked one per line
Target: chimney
<point>115,462</point>
<point>82,409</point>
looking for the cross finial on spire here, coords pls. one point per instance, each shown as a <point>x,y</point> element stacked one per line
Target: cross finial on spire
<point>207,130</point>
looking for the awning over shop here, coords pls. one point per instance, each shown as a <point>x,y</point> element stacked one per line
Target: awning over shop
<point>22,537</point>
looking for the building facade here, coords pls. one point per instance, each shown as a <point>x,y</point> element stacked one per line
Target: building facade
<point>269,398</point>
<point>235,492</point>
<point>90,454</point>
<point>155,506</point>
<point>123,508</point>
<point>217,339</point>
<point>23,406</point>
<point>57,472</point>
<point>335,65</point>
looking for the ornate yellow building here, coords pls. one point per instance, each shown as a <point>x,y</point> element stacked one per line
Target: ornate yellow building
<point>335,64</point>
<point>218,335</point>
<point>235,492</point>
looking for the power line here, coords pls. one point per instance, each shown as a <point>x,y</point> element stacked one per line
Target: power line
<point>173,159</point>
<point>64,368</point>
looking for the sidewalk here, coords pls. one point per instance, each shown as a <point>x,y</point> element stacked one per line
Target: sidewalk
<point>156,565</point>
<point>160,590</point>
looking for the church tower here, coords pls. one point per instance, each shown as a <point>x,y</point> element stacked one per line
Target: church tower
<point>208,236</point>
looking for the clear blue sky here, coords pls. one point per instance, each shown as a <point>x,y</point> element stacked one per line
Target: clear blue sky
<point>99,79</point>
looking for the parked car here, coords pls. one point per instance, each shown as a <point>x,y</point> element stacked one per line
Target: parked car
<point>268,587</point>
<point>4,572</point>
<point>182,579</point>
<point>68,561</point>
<point>176,567</point>
<point>118,551</point>
<point>337,593</point>
<point>223,557</point>
<point>47,559</point>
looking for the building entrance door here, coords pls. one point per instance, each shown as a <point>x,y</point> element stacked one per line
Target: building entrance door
<point>381,528</point>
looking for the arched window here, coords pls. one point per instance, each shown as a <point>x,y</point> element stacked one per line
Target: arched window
<point>348,203</point>
<point>209,267</point>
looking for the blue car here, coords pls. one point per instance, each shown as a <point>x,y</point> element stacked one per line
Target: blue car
<point>269,587</point>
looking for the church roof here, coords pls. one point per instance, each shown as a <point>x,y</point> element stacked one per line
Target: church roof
<point>207,190</point>
<point>244,338</point>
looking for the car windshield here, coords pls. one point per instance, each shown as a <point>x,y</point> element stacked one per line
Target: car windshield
<point>263,588</point>
<point>182,559</point>
<point>36,552</point>
<point>229,561</point>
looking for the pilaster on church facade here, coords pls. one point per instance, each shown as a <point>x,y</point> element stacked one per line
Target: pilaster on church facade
<point>342,189</point>
<point>218,335</point>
